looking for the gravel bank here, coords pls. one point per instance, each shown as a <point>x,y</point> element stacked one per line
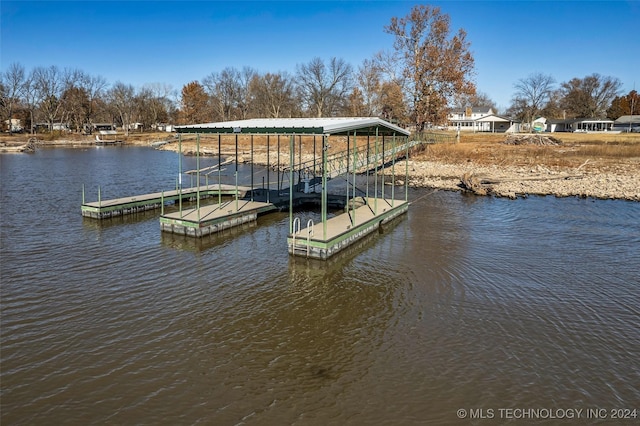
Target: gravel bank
<point>507,181</point>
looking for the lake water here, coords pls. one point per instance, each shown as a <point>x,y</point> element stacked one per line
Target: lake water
<point>465,308</point>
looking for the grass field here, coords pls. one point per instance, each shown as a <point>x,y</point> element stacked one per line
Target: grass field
<point>595,149</point>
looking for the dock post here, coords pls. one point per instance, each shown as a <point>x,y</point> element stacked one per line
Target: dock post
<point>83,193</point>
<point>268,168</point>
<point>367,168</point>
<point>99,197</point>
<point>355,159</point>
<point>383,152</point>
<point>180,173</point>
<point>198,174</point>
<point>251,167</point>
<point>278,166</point>
<point>406,170</point>
<point>236,172</point>
<point>291,163</point>
<point>324,186</point>
<point>393,170</point>
<point>346,190</point>
<point>375,190</point>
<point>162,203</point>
<point>219,172</point>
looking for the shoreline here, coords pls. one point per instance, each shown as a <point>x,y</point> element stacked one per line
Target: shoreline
<point>520,182</point>
<point>597,180</point>
<point>622,182</point>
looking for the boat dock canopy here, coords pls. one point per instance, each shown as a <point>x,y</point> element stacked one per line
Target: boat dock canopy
<point>316,126</point>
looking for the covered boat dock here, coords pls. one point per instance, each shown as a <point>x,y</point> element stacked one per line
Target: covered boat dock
<point>340,147</point>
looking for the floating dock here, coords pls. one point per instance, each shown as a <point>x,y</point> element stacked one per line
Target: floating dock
<point>337,233</point>
<point>103,209</point>
<point>214,218</point>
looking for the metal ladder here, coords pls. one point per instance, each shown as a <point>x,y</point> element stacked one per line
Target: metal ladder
<point>296,230</point>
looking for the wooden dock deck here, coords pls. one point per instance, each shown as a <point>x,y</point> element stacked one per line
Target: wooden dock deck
<point>213,218</point>
<point>322,240</point>
<point>103,209</point>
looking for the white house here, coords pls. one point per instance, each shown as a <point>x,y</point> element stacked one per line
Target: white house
<point>480,119</point>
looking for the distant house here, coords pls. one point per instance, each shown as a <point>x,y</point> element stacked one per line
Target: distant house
<point>480,119</point>
<point>14,125</point>
<point>466,119</point>
<point>627,123</point>
<point>582,125</point>
<point>163,127</point>
<point>40,127</point>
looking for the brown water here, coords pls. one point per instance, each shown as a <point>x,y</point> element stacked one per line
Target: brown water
<point>466,303</point>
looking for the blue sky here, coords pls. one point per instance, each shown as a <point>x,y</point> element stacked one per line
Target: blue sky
<point>139,42</point>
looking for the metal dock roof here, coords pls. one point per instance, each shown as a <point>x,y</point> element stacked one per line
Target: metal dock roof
<point>332,126</point>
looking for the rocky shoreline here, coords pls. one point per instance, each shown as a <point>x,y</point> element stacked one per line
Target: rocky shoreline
<point>514,182</point>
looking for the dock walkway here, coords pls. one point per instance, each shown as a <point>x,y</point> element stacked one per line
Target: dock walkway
<point>103,209</point>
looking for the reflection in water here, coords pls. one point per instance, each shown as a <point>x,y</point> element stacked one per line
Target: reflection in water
<point>465,302</point>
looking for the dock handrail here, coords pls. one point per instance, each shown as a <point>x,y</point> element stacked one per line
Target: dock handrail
<point>296,221</point>
<point>309,235</point>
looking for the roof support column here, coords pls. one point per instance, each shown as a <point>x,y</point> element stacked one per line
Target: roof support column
<point>236,173</point>
<point>355,159</point>
<point>383,152</point>
<point>346,189</point>
<point>406,169</point>
<point>291,163</point>
<point>375,190</point>
<point>268,168</point>
<point>219,171</point>
<point>252,167</point>
<point>323,204</point>
<point>198,173</point>
<point>180,174</point>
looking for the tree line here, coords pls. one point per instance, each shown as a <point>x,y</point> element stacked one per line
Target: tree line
<point>429,71</point>
<point>594,96</point>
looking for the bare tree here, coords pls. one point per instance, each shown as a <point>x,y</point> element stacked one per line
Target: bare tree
<point>76,104</point>
<point>225,91</point>
<point>436,65</point>
<point>369,81</point>
<point>272,95</point>
<point>324,88</point>
<point>478,99</point>
<point>531,96</point>
<point>12,83</point>
<point>589,97</point>
<point>386,62</point>
<point>121,99</point>
<point>154,104</point>
<point>244,98</point>
<point>94,87</point>
<point>49,87</point>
